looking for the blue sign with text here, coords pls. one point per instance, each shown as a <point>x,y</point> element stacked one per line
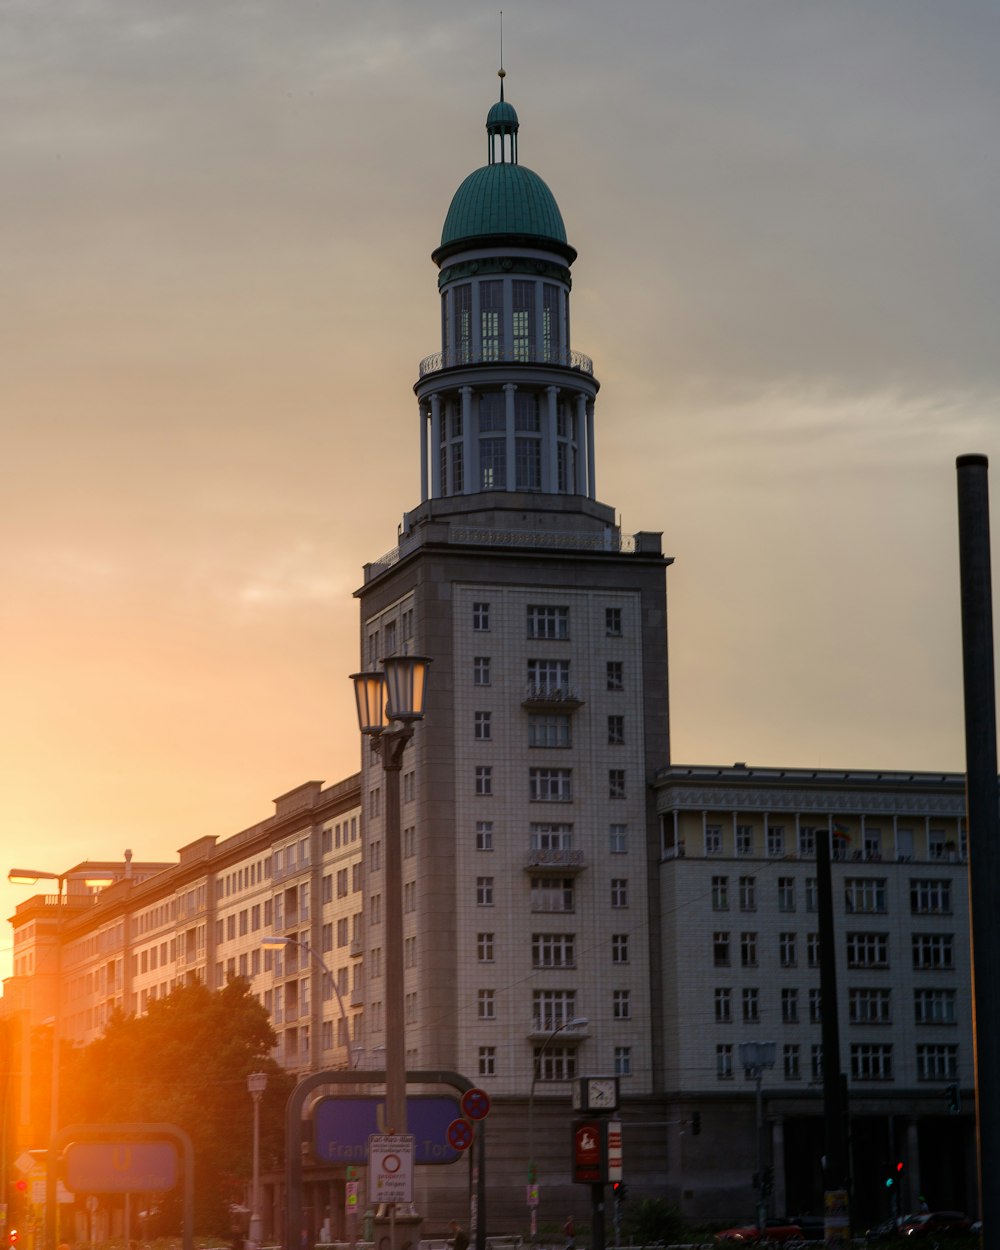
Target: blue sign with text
<point>342,1126</point>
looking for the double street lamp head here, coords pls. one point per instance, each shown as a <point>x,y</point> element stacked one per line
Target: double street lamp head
<point>393,693</point>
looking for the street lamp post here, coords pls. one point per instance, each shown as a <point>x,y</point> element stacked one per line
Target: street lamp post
<point>756,1057</point>
<point>256,1085</point>
<point>577,1022</point>
<point>279,942</point>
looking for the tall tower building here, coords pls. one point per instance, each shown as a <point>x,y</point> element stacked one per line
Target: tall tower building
<point>530,843</point>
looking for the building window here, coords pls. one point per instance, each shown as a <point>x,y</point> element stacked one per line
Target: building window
<point>619,948</point>
<point>812,950</point>
<point>551,835</point>
<point>934,1006</point>
<point>484,947</point>
<point>623,1061</point>
<point>815,1006</point>
<point>616,731</point>
<point>807,842</point>
<point>751,1004</point>
<point>812,895</point>
<point>486,1002</point>
<point>720,894</point>
<point>547,622</point>
<point>713,840</point>
<point>545,730</point>
<point>933,950</point>
<point>786,894</point>
<point>790,1061</point>
<point>723,1005</point>
<point>867,950</point>
<point>613,622</point>
<point>615,675</point>
<point>724,1062</point>
<point>621,1005</point>
<point>937,1062</point>
<point>775,841</point>
<point>616,783</point>
<point>484,780</point>
<point>484,891</point>
<point>786,950</point>
<point>619,892</point>
<point>553,950</point>
<point>865,894</point>
<point>552,894</point>
<point>480,617</point>
<point>555,1063</point>
<point>551,1009</point>
<point>869,1006</point>
<point>930,897</point>
<point>936,845</point>
<point>481,670</point>
<point>482,726</point>
<point>871,1061</point>
<point>618,839</point>
<point>744,840</point>
<point>487,1061</point>
<point>720,949</point>
<point>748,950</point>
<point>550,785</point>
<point>748,893</point>
<point>816,1062</point>
<point>548,679</point>
<point>789,1006</point>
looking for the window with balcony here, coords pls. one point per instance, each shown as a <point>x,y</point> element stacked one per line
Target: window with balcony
<point>552,894</point>
<point>551,1009</point>
<point>744,840</point>
<point>548,679</point>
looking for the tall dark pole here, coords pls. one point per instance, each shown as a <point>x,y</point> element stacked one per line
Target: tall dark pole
<point>984,822</point>
<point>835,1173</point>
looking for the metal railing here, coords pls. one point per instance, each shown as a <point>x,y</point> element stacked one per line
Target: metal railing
<point>522,355</point>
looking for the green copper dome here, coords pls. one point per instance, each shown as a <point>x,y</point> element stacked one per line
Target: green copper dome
<point>503,199</point>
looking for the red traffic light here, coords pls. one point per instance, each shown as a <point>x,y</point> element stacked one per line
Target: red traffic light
<point>899,1167</point>
<point>21,1186</point>
<point>12,1237</point>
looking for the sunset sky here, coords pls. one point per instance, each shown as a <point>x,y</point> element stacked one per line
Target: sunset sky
<point>216,289</point>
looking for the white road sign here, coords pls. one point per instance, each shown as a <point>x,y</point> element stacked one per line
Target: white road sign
<point>390,1167</point>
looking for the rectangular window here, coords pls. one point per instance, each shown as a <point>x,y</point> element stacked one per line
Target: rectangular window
<point>790,1061</point>
<point>484,780</point>
<point>618,839</point>
<point>812,950</point>
<point>744,840</point>
<point>616,731</point>
<point>934,1006</point>
<point>816,1062</point>
<point>616,783</point>
<point>619,948</point>
<point>867,950</point>
<point>623,1061</point>
<point>871,1061</point>
<point>480,617</point>
<point>720,894</point>
<point>523,310</point>
<point>724,1062</point>
<point>484,947</point>
<point>789,1006</point>
<point>461,341</point>
<point>748,950</point>
<point>748,893</point>
<point>865,895</point>
<point>751,1004</point>
<point>812,895</point>
<point>869,1006</point>
<point>615,675</point>
<point>930,897</point>
<point>482,726</point>
<point>481,670</point>
<point>484,891</point>
<point>550,835</point>
<point>486,1002</point>
<point>933,950</point>
<point>937,1062</point>
<point>552,894</point>
<point>815,1006</point>
<point>548,679</point>
<point>553,950</point>
<point>552,323</point>
<point>487,1061</point>
<point>621,1005</point>
<point>775,841</point>
<point>552,1009</point>
<point>549,730</point>
<point>550,785</point>
<point>720,949</point>
<point>490,319</point>
<point>555,1063</point>
<point>713,840</point>
<point>787,950</point>
<point>484,835</point>
<point>723,1005</point>
<point>613,622</point>
<point>619,892</point>
<point>342,883</point>
<point>548,622</point>
<point>786,894</point>
<point>807,841</point>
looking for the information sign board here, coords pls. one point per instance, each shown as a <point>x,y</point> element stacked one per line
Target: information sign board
<point>390,1167</point>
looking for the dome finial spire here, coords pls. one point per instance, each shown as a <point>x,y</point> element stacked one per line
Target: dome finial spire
<point>501,72</point>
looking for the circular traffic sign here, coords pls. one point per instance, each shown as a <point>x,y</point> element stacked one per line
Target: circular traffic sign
<point>459,1135</point>
<point>476,1104</point>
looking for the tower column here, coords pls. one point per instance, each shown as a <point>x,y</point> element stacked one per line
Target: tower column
<point>550,461</point>
<point>581,466</point>
<point>508,390</point>
<point>470,463</point>
<point>435,450</point>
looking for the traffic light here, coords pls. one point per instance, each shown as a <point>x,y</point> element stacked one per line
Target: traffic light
<point>892,1178</point>
<point>695,1123</point>
<point>12,1237</point>
<point>953,1097</point>
<point>620,1190</point>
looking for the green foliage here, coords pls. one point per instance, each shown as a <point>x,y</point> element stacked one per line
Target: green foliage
<point>651,1222</point>
<point>186,1062</point>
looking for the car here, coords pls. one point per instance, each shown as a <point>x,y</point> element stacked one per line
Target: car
<point>937,1223</point>
<point>775,1231</point>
